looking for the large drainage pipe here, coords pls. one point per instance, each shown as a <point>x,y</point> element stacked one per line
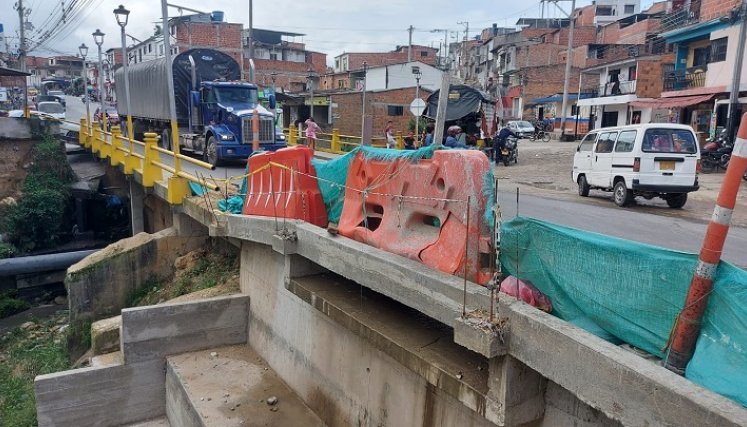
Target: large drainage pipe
<point>687,326</point>
<point>39,263</point>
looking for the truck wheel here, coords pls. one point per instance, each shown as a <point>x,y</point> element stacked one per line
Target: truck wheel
<point>165,139</point>
<point>622,196</point>
<point>210,153</point>
<point>676,201</point>
<point>583,186</point>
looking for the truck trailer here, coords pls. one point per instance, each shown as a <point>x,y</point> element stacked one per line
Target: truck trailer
<point>214,108</point>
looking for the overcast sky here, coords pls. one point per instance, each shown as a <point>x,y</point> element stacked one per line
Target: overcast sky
<point>330,26</point>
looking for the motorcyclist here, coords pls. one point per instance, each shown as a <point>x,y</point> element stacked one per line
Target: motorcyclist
<point>500,141</point>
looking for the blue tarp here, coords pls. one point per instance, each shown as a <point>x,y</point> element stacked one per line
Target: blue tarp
<point>625,291</point>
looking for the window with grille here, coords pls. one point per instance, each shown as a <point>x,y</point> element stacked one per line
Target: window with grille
<point>718,49</point>
<point>395,110</point>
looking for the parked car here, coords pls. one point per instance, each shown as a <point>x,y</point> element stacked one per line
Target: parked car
<point>60,95</point>
<point>521,127</point>
<point>112,118</point>
<point>650,160</point>
<point>51,108</point>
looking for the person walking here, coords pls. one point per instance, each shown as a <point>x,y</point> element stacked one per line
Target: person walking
<point>389,134</point>
<point>428,135</point>
<point>311,129</point>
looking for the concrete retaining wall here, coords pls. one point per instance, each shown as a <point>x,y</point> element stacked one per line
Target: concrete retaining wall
<point>134,390</point>
<point>100,285</point>
<point>158,331</point>
<point>341,376</point>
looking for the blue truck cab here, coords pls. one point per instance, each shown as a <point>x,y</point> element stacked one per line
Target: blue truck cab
<point>226,110</point>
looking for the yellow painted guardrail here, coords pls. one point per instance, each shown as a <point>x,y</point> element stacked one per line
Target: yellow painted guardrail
<point>341,144</point>
<point>121,151</point>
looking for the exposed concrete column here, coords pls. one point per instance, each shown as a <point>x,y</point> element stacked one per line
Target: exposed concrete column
<point>516,392</point>
<point>137,193</point>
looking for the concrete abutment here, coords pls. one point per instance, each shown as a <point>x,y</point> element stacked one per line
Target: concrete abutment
<point>365,337</point>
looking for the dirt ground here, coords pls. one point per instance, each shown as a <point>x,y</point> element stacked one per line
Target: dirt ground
<point>544,169</point>
<point>15,156</point>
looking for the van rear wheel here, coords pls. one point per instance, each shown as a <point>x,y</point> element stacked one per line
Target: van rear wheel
<point>676,201</point>
<point>583,186</point>
<point>622,196</point>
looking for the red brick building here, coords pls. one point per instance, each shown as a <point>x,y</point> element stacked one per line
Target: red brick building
<point>381,106</point>
<point>354,60</point>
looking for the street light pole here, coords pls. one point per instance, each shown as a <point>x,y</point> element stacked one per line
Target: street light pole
<point>364,140</point>
<point>83,49</point>
<point>122,15</point>
<point>98,38</point>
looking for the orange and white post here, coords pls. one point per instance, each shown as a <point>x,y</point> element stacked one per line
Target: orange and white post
<point>687,326</point>
<point>255,131</point>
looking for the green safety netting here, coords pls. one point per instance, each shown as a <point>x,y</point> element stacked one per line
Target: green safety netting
<point>630,292</point>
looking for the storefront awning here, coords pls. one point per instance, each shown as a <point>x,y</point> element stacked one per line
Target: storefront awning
<point>674,102</point>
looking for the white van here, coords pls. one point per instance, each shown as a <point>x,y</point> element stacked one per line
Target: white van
<point>648,160</point>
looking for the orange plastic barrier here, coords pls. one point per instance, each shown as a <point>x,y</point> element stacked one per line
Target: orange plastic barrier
<point>278,191</point>
<point>428,222</point>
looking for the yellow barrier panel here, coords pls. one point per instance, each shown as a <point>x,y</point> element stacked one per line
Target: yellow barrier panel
<point>151,172</point>
<point>400,141</point>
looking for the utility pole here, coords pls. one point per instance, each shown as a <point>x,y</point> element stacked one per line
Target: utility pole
<point>409,44</point>
<point>444,52</point>
<point>365,139</point>
<point>734,95</point>
<point>251,30</point>
<point>568,62</point>
<point>22,55</point>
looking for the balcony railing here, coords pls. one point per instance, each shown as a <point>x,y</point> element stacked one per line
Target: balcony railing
<point>681,17</point>
<point>685,79</point>
<point>617,88</point>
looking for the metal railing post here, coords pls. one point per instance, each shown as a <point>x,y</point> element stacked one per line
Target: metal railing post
<point>95,140</point>
<point>151,173</point>
<point>335,144</point>
<point>83,134</point>
<point>292,135</point>
<point>117,156</point>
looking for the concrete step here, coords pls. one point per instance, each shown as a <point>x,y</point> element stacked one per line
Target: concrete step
<point>229,386</point>
<point>158,422</point>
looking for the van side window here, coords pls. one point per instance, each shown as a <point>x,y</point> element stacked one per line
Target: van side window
<point>606,142</point>
<point>625,141</point>
<point>669,141</point>
<point>588,142</point>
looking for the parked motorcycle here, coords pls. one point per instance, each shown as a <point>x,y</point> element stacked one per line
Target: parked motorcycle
<point>510,151</point>
<point>716,153</point>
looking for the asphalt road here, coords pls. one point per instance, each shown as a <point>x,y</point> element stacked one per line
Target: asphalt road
<point>632,224</point>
